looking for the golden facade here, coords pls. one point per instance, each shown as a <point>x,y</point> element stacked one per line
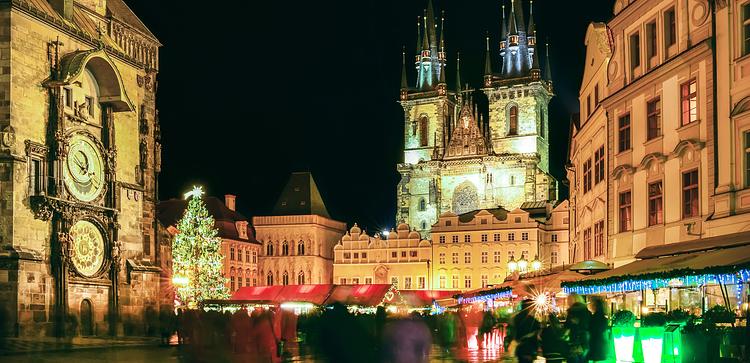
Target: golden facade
<point>79,159</point>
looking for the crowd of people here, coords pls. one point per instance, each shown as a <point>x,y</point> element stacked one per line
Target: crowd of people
<point>337,335</point>
<point>582,338</point>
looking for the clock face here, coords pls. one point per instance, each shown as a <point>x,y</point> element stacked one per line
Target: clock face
<point>84,169</point>
<point>87,248</point>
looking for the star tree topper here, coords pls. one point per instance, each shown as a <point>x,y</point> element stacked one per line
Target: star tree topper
<point>197,192</point>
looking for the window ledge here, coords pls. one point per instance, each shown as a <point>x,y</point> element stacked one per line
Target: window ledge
<point>624,152</point>
<point>688,126</point>
<point>654,140</point>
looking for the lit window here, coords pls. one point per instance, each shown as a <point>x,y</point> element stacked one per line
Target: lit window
<point>355,280</point>
<point>625,215</point>
<point>467,257</point>
<point>524,236</point>
<point>599,165</point>
<point>394,281</point>
<point>412,253</point>
<point>690,194</point>
<point>670,28</point>
<point>422,205</point>
<point>441,239</point>
<point>231,253</point>
<point>484,281</point>
<point>655,205</point>
<point>513,120</point>
<point>467,238</point>
<point>554,238</point>
<point>407,283</point>
<point>484,238</point>
<point>587,176</point>
<point>285,278</point>
<point>653,109</point>
<point>442,282</point>
<point>467,282</point>
<point>496,237</point>
<point>442,259</point>
<point>496,257</point>
<point>587,244</point>
<point>689,104</point>
<point>553,257</point>
<point>485,256</point>
<point>285,248</point>
<point>599,238</point>
<point>623,133</point>
<point>421,282</point>
<point>454,257</point>
<point>746,28</point>
<point>90,105</point>
<point>511,236</point>
<point>454,239</point>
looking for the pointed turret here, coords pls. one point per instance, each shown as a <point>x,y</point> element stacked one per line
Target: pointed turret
<point>442,32</point>
<point>431,26</point>
<point>547,67</point>
<point>404,83</point>
<point>487,62</point>
<point>503,26</point>
<point>512,25</point>
<point>425,35</point>
<point>518,15</point>
<point>532,27</point>
<point>458,74</point>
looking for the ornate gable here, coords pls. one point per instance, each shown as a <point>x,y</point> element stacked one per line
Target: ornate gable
<point>466,138</point>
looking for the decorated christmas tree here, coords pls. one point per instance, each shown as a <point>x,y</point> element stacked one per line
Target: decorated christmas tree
<point>196,256</point>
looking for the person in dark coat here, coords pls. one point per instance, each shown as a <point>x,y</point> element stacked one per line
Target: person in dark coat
<point>577,326</point>
<point>524,331</point>
<point>598,331</point>
<point>554,347</point>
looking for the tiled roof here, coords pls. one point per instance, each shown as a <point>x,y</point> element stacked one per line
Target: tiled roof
<point>120,11</point>
<point>499,213</point>
<point>170,211</point>
<point>300,197</point>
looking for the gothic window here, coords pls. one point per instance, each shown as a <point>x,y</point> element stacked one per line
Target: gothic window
<point>269,279</point>
<point>424,136</point>
<point>414,128</point>
<point>424,225</point>
<point>465,198</point>
<point>301,278</point>
<point>513,120</point>
<point>422,205</point>
<point>285,278</point>
<point>285,249</point>
<point>269,249</point>
<point>301,248</point>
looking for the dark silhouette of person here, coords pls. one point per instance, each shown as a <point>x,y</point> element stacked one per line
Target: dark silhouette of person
<point>577,325</point>
<point>598,331</point>
<point>524,330</point>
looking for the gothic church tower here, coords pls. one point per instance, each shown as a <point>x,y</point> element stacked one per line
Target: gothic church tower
<point>456,159</point>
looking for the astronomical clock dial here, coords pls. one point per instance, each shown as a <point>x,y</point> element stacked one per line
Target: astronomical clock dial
<point>87,248</point>
<point>84,169</point>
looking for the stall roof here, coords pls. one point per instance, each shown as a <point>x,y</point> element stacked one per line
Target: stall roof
<point>418,298</point>
<point>362,295</point>
<point>717,261</point>
<point>315,294</point>
<point>257,293</point>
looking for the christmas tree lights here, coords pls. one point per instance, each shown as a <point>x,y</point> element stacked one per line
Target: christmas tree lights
<point>196,255</point>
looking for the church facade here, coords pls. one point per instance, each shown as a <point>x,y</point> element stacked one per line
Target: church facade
<point>459,157</point>
<point>79,159</point>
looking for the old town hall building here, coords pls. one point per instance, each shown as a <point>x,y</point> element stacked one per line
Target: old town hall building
<point>458,158</point>
<point>79,159</point>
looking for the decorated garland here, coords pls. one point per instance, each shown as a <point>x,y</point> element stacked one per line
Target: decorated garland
<point>675,278</point>
<point>480,296</point>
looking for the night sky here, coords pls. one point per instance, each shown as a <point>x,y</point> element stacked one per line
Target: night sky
<point>250,91</point>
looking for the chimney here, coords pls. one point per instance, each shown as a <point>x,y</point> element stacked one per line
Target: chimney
<point>63,7</point>
<point>229,201</point>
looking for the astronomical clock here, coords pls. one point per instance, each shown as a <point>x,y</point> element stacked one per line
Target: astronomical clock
<point>79,159</point>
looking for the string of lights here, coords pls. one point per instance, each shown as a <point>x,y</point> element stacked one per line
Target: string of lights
<point>588,287</point>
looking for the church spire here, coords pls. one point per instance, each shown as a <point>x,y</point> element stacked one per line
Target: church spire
<point>532,27</point>
<point>442,32</point>
<point>404,83</point>
<point>487,62</point>
<point>458,74</point>
<point>503,26</point>
<point>425,35</point>
<point>512,25</point>
<point>547,68</point>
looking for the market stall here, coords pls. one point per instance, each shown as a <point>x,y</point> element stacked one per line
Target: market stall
<point>677,303</point>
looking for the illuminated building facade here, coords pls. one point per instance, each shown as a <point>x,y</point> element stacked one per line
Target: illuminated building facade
<point>79,160</point>
<point>238,244</point>
<point>674,94</point>
<point>401,258</point>
<point>458,158</point>
<point>297,240</point>
<point>473,250</point>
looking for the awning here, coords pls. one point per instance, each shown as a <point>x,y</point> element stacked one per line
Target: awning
<point>315,294</point>
<point>257,293</point>
<point>723,265</point>
<point>361,295</point>
<point>419,298</point>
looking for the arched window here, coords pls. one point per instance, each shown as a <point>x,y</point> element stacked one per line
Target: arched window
<point>269,249</point>
<point>300,248</point>
<point>422,205</point>
<point>424,225</point>
<point>239,278</point>
<point>424,130</point>
<point>285,278</point>
<point>232,279</point>
<point>513,120</point>
<point>247,277</point>
<point>301,278</point>
<point>285,249</point>
<point>269,279</point>
<point>255,257</point>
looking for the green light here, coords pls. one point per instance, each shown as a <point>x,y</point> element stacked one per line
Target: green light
<point>652,340</point>
<point>675,351</point>
<point>624,341</point>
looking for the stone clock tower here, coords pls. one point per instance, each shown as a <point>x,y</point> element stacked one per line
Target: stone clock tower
<point>79,161</point>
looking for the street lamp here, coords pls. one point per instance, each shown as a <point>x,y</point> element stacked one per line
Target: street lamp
<point>523,264</point>
<point>512,265</point>
<point>180,280</point>
<point>536,265</point>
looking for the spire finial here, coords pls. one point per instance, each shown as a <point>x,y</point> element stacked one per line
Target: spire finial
<point>425,36</point>
<point>487,57</point>
<point>442,31</point>
<point>512,26</point>
<point>503,26</point>
<point>404,83</point>
<point>419,38</point>
<point>532,27</point>
<point>547,68</point>
<point>458,73</point>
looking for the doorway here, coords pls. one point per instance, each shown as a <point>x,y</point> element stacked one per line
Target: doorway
<point>87,318</point>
